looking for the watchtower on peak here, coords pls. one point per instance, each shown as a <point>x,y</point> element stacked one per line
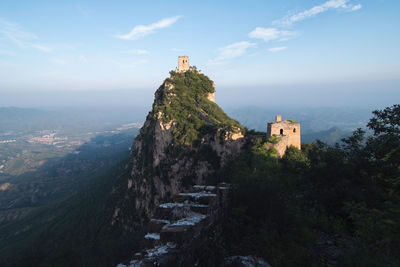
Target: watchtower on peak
<point>183,63</point>
<point>287,130</point>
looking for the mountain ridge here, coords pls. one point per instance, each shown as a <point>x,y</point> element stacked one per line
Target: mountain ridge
<point>185,140</point>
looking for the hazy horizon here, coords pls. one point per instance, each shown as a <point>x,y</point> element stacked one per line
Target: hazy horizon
<point>370,95</point>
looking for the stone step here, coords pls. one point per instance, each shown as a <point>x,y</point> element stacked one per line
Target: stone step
<point>210,188</point>
<point>178,223</point>
<point>135,263</point>
<point>168,212</point>
<point>175,234</point>
<point>172,211</point>
<point>155,225</point>
<point>204,188</point>
<point>160,255</point>
<point>223,185</point>
<point>200,208</point>
<point>200,197</point>
<point>179,230</point>
<point>151,240</point>
<point>138,255</point>
<point>223,189</point>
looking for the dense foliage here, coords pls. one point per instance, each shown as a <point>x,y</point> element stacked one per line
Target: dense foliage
<point>185,103</point>
<point>323,204</point>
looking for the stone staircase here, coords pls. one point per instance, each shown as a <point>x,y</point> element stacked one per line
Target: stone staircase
<point>180,228</point>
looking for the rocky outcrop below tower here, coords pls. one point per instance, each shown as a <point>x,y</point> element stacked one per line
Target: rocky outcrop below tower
<point>185,140</point>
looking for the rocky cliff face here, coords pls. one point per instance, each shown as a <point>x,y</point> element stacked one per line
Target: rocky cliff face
<point>185,140</point>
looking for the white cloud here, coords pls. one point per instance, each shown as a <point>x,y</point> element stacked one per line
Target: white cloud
<point>331,4</point>
<point>140,52</point>
<point>15,34</point>
<point>42,48</point>
<point>136,51</point>
<point>68,59</point>
<point>143,30</point>
<point>277,49</point>
<point>233,50</point>
<point>356,7</point>
<point>269,34</point>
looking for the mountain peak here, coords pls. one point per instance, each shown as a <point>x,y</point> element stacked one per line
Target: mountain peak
<point>186,101</point>
<point>186,139</point>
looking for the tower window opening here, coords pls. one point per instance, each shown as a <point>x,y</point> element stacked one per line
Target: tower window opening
<point>294,130</point>
<point>281,131</point>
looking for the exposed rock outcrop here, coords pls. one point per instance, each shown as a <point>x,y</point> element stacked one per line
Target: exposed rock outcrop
<point>185,140</point>
<point>211,97</point>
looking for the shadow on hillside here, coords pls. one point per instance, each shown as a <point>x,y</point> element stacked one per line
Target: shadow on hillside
<point>61,177</point>
<point>62,211</point>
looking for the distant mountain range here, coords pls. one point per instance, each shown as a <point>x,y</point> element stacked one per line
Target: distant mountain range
<point>330,136</point>
<point>311,119</point>
<point>17,119</point>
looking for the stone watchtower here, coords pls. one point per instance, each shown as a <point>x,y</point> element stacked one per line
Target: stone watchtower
<point>183,63</point>
<point>287,130</point>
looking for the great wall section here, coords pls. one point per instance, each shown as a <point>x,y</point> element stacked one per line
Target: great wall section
<point>183,231</point>
<point>187,230</point>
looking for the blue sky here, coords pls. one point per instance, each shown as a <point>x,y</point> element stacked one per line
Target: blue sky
<point>131,45</point>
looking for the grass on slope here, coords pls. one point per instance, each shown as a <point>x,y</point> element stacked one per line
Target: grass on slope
<point>187,105</point>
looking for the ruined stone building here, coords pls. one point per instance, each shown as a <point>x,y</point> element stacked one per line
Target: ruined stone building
<point>288,132</point>
<point>183,63</point>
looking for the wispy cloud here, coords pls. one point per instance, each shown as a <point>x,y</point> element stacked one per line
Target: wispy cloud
<point>356,7</point>
<point>277,49</point>
<point>42,48</point>
<point>269,34</point>
<point>328,5</point>
<point>15,34</point>
<point>140,31</point>
<point>233,51</point>
<point>140,51</point>
<point>68,59</point>
<point>174,49</point>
